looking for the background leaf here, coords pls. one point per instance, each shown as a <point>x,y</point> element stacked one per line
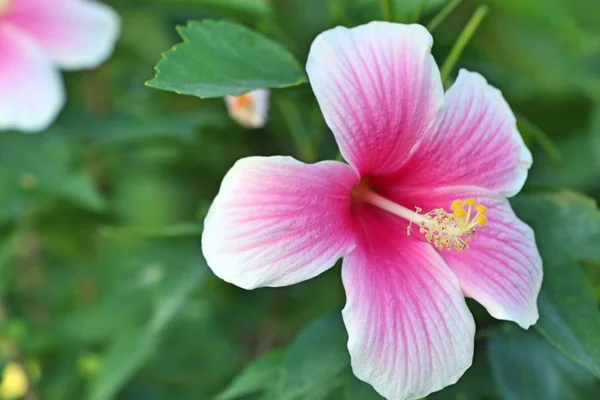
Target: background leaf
<point>221,58</point>
<point>313,364</point>
<point>525,366</point>
<point>257,376</point>
<point>130,350</point>
<point>564,222</point>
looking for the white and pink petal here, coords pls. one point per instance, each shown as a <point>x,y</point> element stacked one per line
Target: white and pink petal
<point>76,34</point>
<point>477,143</point>
<point>277,221</point>
<point>31,90</point>
<point>379,89</point>
<point>410,331</point>
<point>502,267</point>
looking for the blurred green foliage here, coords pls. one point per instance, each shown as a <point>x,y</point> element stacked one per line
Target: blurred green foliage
<point>104,293</point>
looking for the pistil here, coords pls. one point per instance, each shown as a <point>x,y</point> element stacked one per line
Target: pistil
<point>370,197</point>
<point>444,230</point>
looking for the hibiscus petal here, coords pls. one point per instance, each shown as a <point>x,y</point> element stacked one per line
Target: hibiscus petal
<point>31,89</point>
<point>410,331</point>
<point>277,221</point>
<point>379,89</point>
<point>477,143</point>
<point>502,268</point>
<point>75,33</point>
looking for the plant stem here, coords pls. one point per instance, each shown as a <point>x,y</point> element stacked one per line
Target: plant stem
<point>442,15</point>
<point>388,10</point>
<point>462,41</point>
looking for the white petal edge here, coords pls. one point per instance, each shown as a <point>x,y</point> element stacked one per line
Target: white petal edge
<point>32,89</point>
<point>76,34</point>
<point>277,221</point>
<point>379,90</point>
<point>410,331</point>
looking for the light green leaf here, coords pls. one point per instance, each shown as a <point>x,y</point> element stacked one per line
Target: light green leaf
<point>219,58</point>
<point>564,223</point>
<point>525,366</point>
<point>257,376</point>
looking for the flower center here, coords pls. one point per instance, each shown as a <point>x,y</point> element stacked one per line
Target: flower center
<point>444,230</point>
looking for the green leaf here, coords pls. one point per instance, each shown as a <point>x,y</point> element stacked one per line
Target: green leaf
<point>13,197</point>
<point>566,223</point>
<point>358,390</point>
<point>313,365</point>
<point>47,165</point>
<point>219,58</point>
<point>146,34</point>
<point>525,366</point>
<point>257,8</point>
<point>595,134</point>
<point>125,356</point>
<point>131,348</point>
<point>529,52</point>
<point>298,22</point>
<point>126,128</point>
<point>473,385</point>
<point>80,189</point>
<point>405,11</point>
<point>257,376</point>
<point>574,170</point>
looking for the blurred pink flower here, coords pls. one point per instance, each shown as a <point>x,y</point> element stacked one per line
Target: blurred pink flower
<point>250,109</point>
<point>37,37</point>
<point>409,214</point>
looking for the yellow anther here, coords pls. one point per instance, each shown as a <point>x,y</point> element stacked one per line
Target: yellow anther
<point>453,231</point>
<point>460,213</point>
<point>456,204</point>
<point>481,220</point>
<point>444,230</point>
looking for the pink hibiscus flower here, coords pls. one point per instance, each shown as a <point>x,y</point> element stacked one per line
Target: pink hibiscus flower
<point>419,215</point>
<point>36,38</point>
